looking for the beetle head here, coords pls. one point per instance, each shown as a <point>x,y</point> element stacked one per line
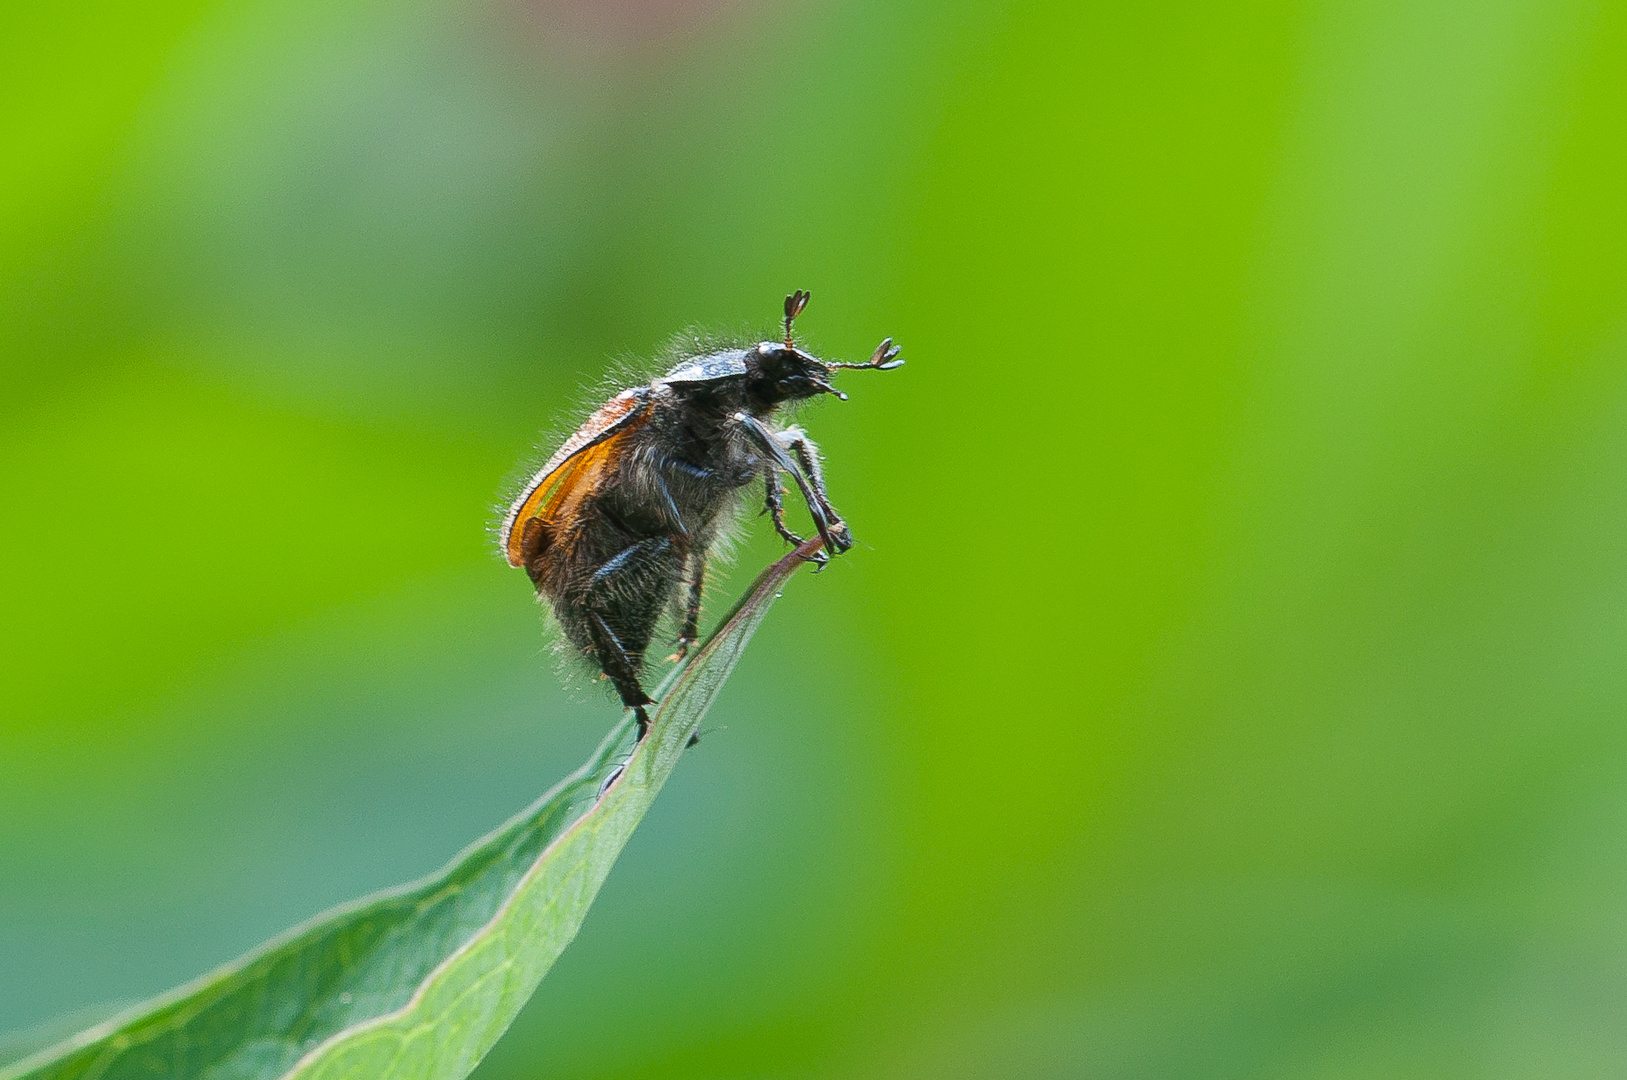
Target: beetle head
<point>779,371</point>
<point>776,372</point>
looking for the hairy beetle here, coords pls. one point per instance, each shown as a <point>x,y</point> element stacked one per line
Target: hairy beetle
<point>615,529</point>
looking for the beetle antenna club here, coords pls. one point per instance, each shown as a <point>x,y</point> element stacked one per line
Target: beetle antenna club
<point>793,307</point>
<point>615,530</point>
<point>885,358</point>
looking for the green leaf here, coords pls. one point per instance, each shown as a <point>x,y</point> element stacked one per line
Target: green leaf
<point>420,981</point>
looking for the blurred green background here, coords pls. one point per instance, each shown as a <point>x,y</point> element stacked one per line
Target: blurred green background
<point>1230,681</point>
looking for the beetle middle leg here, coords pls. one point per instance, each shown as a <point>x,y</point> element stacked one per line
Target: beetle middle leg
<point>669,505</point>
<point>774,505</point>
<point>691,630</point>
<point>689,633</point>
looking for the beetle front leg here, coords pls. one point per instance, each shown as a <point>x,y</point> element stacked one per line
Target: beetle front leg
<point>766,441</point>
<point>797,442</point>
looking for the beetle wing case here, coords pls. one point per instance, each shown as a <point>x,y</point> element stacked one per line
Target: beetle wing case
<point>616,415</point>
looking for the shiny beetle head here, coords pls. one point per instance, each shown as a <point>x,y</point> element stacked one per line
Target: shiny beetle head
<point>778,371</point>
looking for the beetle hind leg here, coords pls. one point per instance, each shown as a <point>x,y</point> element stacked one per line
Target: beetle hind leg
<point>620,668</point>
<point>624,599</point>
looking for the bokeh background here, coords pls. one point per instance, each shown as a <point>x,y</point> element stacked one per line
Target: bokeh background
<point>1230,682</point>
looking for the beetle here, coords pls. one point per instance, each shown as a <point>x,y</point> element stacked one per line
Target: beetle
<point>620,520</point>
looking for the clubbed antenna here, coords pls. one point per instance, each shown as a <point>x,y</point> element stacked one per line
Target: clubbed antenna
<point>885,358</point>
<point>793,307</point>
